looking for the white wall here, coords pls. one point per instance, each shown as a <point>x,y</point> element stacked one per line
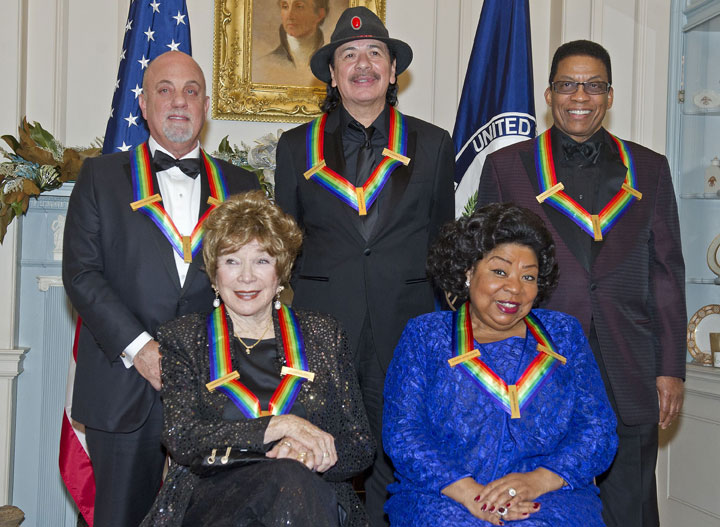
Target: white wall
<point>60,62</point>
<point>72,50</point>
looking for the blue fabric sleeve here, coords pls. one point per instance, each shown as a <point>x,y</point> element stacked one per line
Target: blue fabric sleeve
<point>590,444</point>
<point>408,436</point>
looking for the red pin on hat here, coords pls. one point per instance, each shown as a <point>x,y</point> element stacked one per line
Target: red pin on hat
<point>346,30</point>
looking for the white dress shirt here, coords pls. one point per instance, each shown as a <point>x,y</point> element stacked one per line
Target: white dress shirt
<point>181,200</point>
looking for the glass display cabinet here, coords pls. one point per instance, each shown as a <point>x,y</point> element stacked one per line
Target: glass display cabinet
<point>693,142</point>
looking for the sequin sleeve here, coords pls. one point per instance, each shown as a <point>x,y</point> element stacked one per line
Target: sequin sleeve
<point>193,423</point>
<point>346,421</point>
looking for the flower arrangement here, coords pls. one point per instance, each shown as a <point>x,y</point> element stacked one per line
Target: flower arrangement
<point>259,159</point>
<point>39,163</point>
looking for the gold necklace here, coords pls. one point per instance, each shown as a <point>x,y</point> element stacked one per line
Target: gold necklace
<point>248,348</point>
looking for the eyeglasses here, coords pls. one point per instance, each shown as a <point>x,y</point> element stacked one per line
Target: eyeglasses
<point>591,88</point>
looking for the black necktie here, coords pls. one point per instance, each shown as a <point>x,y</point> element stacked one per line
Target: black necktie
<point>366,156</point>
<point>588,150</point>
<point>364,168</point>
<point>189,166</point>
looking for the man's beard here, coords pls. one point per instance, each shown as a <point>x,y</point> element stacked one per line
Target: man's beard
<point>178,134</point>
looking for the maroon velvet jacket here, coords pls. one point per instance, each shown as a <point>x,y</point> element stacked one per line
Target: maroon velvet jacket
<point>634,290</point>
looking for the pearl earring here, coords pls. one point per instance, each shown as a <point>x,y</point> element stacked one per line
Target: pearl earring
<point>216,302</point>
<point>277,305</point>
<point>467,284</point>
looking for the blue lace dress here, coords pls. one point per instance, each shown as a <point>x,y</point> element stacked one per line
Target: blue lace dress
<point>439,426</point>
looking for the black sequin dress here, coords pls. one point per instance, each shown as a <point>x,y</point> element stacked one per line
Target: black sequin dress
<point>196,421</point>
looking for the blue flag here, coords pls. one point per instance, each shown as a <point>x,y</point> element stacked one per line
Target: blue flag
<point>153,27</point>
<point>497,107</point>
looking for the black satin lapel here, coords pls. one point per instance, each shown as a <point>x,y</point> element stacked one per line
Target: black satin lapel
<point>615,177</point>
<point>562,223</point>
<point>398,184</point>
<point>333,148</point>
<point>197,262</point>
<point>159,241</point>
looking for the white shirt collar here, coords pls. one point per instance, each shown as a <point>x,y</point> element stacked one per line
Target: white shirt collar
<point>192,154</point>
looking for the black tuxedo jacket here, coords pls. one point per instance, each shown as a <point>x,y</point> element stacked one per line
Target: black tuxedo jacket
<point>341,273</point>
<point>634,287</point>
<point>120,274</point>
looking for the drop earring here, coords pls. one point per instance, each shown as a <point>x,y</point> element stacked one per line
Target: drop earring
<point>277,304</point>
<point>216,302</point>
<point>467,283</point>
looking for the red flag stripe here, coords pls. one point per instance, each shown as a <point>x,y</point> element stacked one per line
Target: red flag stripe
<point>75,466</point>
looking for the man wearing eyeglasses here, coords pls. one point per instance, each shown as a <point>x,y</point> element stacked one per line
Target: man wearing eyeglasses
<point>610,206</point>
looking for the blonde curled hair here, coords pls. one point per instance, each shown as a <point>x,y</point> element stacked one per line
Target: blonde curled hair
<point>249,216</point>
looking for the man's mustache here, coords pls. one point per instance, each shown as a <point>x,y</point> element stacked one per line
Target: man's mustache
<point>373,74</point>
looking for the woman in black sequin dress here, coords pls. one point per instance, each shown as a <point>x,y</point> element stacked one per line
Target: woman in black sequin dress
<point>314,433</point>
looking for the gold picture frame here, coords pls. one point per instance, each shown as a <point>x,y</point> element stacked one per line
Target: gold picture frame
<point>236,93</point>
<point>701,324</point>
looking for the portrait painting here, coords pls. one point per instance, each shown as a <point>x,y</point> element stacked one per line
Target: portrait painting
<point>262,53</point>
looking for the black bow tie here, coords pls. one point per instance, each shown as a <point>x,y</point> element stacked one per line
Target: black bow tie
<point>588,150</point>
<point>189,166</point>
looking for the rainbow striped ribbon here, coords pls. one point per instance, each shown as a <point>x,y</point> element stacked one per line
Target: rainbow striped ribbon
<point>221,364</point>
<point>551,193</point>
<point>147,201</point>
<point>359,198</point>
<point>509,398</point>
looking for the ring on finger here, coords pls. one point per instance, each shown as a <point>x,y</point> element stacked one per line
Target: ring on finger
<point>302,456</point>
<point>512,492</point>
<point>326,454</point>
<point>286,443</point>
<point>502,511</point>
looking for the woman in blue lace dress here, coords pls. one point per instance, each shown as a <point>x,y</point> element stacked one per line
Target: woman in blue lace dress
<point>516,433</point>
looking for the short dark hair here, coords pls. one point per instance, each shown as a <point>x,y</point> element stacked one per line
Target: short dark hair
<point>333,97</point>
<point>465,241</point>
<point>322,4</point>
<point>581,47</point>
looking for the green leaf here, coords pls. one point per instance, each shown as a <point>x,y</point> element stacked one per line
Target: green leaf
<point>12,142</point>
<point>471,204</point>
<point>17,208</point>
<point>42,137</point>
<point>224,147</point>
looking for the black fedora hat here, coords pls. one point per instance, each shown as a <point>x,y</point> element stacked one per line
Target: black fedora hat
<point>357,23</point>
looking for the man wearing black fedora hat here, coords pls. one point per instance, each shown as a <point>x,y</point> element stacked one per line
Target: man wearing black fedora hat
<point>371,188</point>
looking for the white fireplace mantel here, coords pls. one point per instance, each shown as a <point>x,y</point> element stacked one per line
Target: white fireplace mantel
<point>10,368</point>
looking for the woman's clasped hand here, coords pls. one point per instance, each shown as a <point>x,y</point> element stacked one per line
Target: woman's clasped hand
<point>511,497</point>
<point>300,440</point>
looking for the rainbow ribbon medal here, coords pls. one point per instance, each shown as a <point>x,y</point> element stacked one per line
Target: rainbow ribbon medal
<point>552,192</point>
<point>226,381</point>
<point>147,201</point>
<point>359,198</point>
<point>514,397</point>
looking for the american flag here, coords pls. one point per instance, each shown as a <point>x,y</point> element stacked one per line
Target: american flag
<point>152,28</point>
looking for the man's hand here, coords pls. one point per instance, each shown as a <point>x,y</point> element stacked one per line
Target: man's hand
<point>670,394</point>
<point>147,363</point>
